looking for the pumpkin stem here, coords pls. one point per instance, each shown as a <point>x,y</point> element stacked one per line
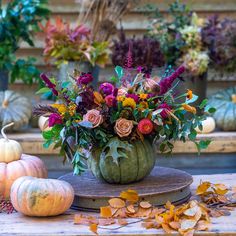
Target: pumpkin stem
<point>233,97</point>
<point>5,104</point>
<point>3,130</point>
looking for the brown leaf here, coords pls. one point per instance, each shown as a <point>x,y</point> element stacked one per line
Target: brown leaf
<point>142,212</point>
<point>151,225</point>
<point>130,195</point>
<point>105,222</point>
<point>122,222</point>
<point>145,204</point>
<point>203,187</point>
<point>166,228</point>
<point>94,228</point>
<point>105,212</point>
<point>83,219</point>
<point>220,189</point>
<point>116,203</point>
<point>202,225</point>
<point>120,213</point>
<point>174,225</point>
<point>130,209</point>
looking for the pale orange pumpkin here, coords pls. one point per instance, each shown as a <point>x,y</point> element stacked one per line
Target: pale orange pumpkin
<point>41,197</point>
<point>26,166</point>
<point>10,150</point>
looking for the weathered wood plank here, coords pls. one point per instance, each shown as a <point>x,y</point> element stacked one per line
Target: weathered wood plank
<point>222,142</point>
<point>63,225</point>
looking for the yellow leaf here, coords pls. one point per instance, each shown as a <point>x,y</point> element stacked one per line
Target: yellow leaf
<point>130,195</point>
<point>220,189</point>
<point>94,228</point>
<point>202,188</point>
<point>105,212</point>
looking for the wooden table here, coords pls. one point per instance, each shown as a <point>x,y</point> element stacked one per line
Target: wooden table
<point>17,224</point>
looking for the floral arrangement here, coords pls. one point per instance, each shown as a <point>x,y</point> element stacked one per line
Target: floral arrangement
<point>219,36</point>
<point>145,51</point>
<point>64,43</point>
<point>181,39</point>
<point>135,108</point>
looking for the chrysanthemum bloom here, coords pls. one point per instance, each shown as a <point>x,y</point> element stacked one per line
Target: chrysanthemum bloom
<point>134,96</point>
<point>189,108</point>
<point>106,88</point>
<point>84,78</point>
<point>164,114</point>
<point>54,119</point>
<point>189,94</point>
<point>94,117</point>
<point>120,98</point>
<point>129,102</point>
<point>143,96</point>
<point>123,127</point>
<point>145,126</point>
<point>72,108</point>
<point>143,105</point>
<point>110,100</point>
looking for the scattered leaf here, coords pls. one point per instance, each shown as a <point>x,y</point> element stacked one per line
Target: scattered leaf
<point>145,205</point>
<point>116,203</point>
<point>130,195</point>
<point>94,228</point>
<point>122,222</point>
<point>105,212</point>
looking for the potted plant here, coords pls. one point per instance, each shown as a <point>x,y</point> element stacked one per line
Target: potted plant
<point>112,129</point>
<point>219,36</point>
<point>19,20</point>
<point>72,48</point>
<point>144,51</point>
<point>181,42</point>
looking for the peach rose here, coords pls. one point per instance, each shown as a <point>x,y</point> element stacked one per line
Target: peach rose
<point>123,127</point>
<point>94,117</point>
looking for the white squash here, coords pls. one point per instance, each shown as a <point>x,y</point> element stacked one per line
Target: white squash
<point>208,126</point>
<point>43,123</point>
<point>10,150</point>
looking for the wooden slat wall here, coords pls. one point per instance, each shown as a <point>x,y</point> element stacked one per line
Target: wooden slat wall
<point>134,22</point>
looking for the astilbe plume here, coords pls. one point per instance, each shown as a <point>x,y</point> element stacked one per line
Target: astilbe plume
<point>166,83</point>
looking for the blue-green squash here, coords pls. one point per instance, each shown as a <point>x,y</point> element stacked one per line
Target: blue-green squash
<point>122,162</point>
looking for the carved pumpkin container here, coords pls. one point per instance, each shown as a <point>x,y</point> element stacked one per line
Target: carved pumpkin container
<point>121,162</point>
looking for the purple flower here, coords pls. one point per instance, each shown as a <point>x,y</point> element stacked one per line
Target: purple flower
<point>49,84</point>
<point>110,100</point>
<point>164,113</point>
<point>54,119</point>
<point>115,92</point>
<point>85,78</point>
<point>106,88</point>
<point>167,82</point>
<point>134,96</point>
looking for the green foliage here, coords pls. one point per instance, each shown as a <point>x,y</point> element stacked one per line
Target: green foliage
<point>18,21</point>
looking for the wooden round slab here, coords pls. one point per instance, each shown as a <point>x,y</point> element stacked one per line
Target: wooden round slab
<point>161,185</point>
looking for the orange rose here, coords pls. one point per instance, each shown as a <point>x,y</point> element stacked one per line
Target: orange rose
<point>94,117</point>
<point>123,127</point>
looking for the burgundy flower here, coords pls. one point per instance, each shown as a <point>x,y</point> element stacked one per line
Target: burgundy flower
<point>164,114</point>
<point>54,119</point>
<point>110,100</point>
<point>134,96</point>
<point>85,78</point>
<point>167,82</point>
<point>106,88</point>
<point>49,84</point>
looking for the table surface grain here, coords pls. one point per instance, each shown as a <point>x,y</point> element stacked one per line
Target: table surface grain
<point>17,224</point>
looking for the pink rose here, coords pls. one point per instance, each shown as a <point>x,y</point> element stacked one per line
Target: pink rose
<point>94,117</point>
<point>123,127</point>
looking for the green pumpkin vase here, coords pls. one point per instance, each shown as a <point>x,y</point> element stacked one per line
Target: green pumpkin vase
<point>122,162</point>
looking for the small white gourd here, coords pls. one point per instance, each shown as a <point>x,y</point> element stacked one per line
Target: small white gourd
<point>10,150</point>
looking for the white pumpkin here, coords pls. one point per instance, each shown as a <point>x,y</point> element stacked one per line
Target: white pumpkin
<point>10,150</point>
<point>208,126</point>
<point>43,123</point>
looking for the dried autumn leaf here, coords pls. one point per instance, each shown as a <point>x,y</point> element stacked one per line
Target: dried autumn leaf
<point>151,225</point>
<point>168,205</point>
<point>130,209</point>
<point>174,225</point>
<point>120,213</point>
<point>191,211</point>
<point>116,203</point>
<point>105,222</point>
<point>82,219</point>
<point>94,228</point>
<point>202,225</point>
<point>188,224</point>
<point>145,204</point>
<point>122,222</point>
<point>142,212</point>
<point>130,195</point>
<point>203,187</point>
<point>189,232</point>
<point>105,212</point>
<point>166,228</point>
<point>220,189</point>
